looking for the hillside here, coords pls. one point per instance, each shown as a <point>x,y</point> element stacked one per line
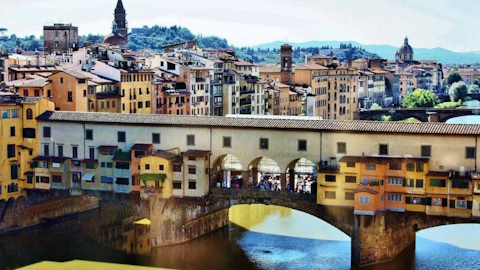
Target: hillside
<point>388,52</point>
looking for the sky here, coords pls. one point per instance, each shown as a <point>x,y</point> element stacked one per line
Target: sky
<point>451,24</point>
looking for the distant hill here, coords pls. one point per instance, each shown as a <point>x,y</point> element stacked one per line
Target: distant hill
<point>442,55</point>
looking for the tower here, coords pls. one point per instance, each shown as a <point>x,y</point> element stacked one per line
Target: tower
<point>286,63</point>
<point>120,19</point>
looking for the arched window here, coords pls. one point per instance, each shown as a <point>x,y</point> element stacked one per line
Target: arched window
<point>29,114</point>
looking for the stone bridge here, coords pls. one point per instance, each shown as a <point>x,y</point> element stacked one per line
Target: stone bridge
<point>375,239</point>
<point>421,114</point>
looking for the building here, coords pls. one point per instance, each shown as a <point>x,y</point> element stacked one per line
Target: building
<point>405,53</point>
<point>69,90</point>
<point>19,142</point>
<point>119,35</point>
<point>60,38</point>
<point>286,64</point>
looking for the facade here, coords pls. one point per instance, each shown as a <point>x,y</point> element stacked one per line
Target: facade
<point>19,142</point>
<point>60,38</point>
<point>136,95</point>
<point>69,90</point>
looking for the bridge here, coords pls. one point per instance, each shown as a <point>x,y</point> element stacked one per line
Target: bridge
<point>374,239</point>
<point>421,114</point>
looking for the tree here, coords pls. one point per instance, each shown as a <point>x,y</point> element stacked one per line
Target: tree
<point>458,91</point>
<point>477,81</point>
<point>453,77</point>
<point>474,89</point>
<point>420,98</point>
<point>375,106</point>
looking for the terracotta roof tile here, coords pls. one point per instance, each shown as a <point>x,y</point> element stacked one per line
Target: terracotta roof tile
<point>196,153</point>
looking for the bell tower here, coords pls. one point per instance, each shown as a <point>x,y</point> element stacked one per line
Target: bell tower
<point>120,19</point>
<point>286,64</point>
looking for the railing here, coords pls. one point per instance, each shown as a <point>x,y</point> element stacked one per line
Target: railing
<point>200,79</point>
<point>247,91</point>
<point>216,82</point>
<point>245,102</point>
<point>329,167</point>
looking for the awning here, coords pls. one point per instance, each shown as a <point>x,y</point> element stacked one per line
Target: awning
<point>88,177</point>
<point>143,222</point>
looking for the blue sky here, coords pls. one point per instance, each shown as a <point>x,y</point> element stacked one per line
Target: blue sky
<point>428,23</point>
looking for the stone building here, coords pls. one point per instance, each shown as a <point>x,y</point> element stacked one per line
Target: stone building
<point>60,38</point>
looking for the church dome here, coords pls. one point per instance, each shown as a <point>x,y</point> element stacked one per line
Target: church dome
<point>405,48</point>
<point>115,39</point>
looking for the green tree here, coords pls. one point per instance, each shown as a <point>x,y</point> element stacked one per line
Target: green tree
<point>474,89</point>
<point>477,81</point>
<point>420,98</point>
<point>453,77</point>
<point>375,106</point>
<point>458,91</point>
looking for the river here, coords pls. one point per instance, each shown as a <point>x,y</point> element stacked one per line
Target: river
<point>259,237</point>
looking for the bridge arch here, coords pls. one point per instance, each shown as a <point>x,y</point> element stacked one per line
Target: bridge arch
<point>301,175</point>
<point>264,173</point>
<point>227,171</point>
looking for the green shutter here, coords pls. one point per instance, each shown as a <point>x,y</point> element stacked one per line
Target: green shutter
<point>452,203</point>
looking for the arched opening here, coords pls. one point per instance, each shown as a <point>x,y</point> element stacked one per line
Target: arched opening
<point>457,244</point>
<point>227,172</point>
<point>301,175</point>
<point>274,236</point>
<point>264,173</point>
<point>29,114</point>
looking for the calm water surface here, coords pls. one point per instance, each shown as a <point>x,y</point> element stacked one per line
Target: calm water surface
<point>260,237</point>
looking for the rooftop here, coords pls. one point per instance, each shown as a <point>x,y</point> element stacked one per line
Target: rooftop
<point>265,123</point>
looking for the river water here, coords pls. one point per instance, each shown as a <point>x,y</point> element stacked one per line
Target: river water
<point>259,237</point>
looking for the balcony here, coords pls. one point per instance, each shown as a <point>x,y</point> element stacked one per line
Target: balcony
<point>245,102</point>
<point>247,91</point>
<point>200,79</point>
<point>216,82</point>
<point>329,167</point>
<point>218,104</point>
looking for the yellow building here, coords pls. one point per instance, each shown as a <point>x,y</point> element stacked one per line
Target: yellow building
<point>69,91</point>
<point>136,91</point>
<point>156,173</point>
<point>19,141</point>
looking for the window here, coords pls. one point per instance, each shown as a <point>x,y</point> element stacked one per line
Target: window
<point>460,184</point>
<point>191,139</point>
<point>395,165</point>
<point>5,114</point>
<point>15,113</point>
<point>140,105</point>
<point>121,137</point>
<point>102,164</point>
<point>91,152</point>
<point>395,181</point>
<point>147,166</point>
<point>419,167</point>
<point>341,148</point>
<point>364,200</point>
<point>70,96</point>
<point>46,150</point>
<point>161,167</point>
<point>302,145</point>
<point>370,167</point>
<point>410,183</point>
<point>74,152</point>
<point>383,149</point>
<point>192,158</point>
<point>419,183</point>
<point>350,179</point>
<point>13,171</point>
<point>330,178</point>
<point>12,131</point>
<point>122,181</point>
<point>394,197</point>
<point>29,114</point>
<point>351,164</point>
<point>192,185</point>
<point>10,150</point>
<point>330,195</point>
<point>90,165</point>
<point>470,152</point>
<point>411,167</point>
<point>60,150</point>
<point>46,132</point>
<point>109,165</point>
<point>177,168</point>
<point>177,185</point>
<point>192,170</point>
<point>438,182</point>
<point>56,178</point>
<point>122,165</point>
<point>147,104</point>
<point>156,138</point>
<point>89,134</point>
<point>61,80</point>
<point>227,142</point>
<point>426,150</point>
<point>462,204</point>
<point>350,196</point>
<point>263,143</point>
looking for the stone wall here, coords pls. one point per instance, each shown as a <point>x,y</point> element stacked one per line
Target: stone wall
<point>24,212</point>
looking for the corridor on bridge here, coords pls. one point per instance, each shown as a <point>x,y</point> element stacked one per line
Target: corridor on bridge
<point>264,173</point>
